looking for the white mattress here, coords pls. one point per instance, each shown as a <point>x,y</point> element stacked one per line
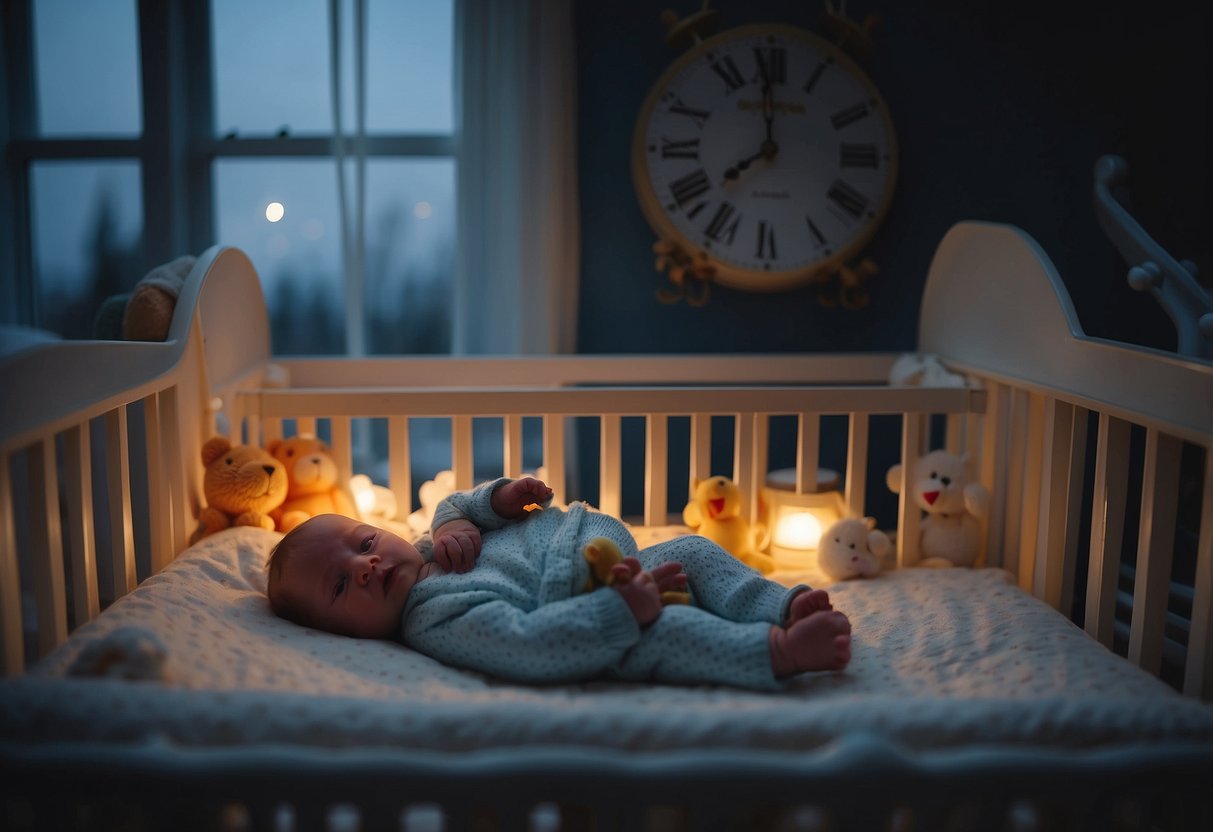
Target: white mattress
<point>941,658</point>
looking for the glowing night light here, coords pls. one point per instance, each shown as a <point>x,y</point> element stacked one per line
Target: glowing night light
<point>798,530</point>
<point>274,211</point>
<point>423,210</point>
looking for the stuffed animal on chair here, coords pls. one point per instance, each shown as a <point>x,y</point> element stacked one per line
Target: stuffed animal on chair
<point>715,512</point>
<point>313,482</point>
<point>242,485</point>
<point>852,548</point>
<point>939,485</point>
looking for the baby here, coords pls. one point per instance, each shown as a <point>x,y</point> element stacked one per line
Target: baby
<point>499,587</point>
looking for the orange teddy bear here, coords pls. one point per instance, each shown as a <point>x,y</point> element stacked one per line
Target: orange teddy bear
<point>313,485</point>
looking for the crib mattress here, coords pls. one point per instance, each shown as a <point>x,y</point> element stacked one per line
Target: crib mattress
<point>941,659</point>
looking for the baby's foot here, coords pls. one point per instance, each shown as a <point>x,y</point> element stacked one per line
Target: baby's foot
<point>807,603</point>
<point>820,641</point>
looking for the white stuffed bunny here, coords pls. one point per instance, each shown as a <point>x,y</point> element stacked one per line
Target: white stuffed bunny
<point>939,485</point>
<point>852,548</point>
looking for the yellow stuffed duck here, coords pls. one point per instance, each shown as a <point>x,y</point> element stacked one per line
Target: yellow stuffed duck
<point>715,512</point>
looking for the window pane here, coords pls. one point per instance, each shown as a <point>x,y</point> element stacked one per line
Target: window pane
<point>410,251</point>
<point>410,49</point>
<point>410,255</point>
<point>299,256</point>
<point>271,66</point>
<point>87,64</point>
<point>87,222</point>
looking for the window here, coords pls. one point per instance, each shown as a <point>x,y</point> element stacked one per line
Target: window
<point>140,131</point>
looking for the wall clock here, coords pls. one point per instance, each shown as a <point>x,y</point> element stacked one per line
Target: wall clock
<point>763,158</point>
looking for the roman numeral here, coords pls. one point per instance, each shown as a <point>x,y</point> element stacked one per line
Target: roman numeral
<point>847,199</point>
<point>694,212</point>
<point>857,156</point>
<point>728,71</point>
<point>766,241</point>
<point>815,77</point>
<point>772,64</point>
<point>689,186</point>
<point>688,149</point>
<point>816,232</point>
<point>849,116</point>
<point>720,229</point>
<point>697,116</point>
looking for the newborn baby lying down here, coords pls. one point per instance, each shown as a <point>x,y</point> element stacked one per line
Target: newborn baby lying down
<point>500,587</point>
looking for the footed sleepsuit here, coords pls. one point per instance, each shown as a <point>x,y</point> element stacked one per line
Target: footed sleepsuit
<point>522,613</point>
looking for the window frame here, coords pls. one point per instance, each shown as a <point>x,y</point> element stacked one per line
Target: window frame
<point>176,151</point>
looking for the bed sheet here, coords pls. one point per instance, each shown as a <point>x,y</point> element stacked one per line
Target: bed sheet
<point>941,658</point>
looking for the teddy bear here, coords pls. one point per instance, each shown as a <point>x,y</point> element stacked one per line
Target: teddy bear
<point>602,554</point>
<point>242,485</point>
<point>852,548</point>
<point>313,482</point>
<point>715,512</point>
<point>149,310</point>
<point>939,485</point>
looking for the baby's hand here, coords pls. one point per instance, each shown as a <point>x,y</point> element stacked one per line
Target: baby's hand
<point>456,545</point>
<point>642,590</point>
<point>512,498</point>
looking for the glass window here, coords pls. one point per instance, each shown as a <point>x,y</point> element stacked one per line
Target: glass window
<point>271,66</point>
<point>87,68</point>
<point>410,48</point>
<point>87,223</point>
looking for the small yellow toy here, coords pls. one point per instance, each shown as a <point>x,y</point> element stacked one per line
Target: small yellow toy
<point>602,554</point>
<point>715,512</point>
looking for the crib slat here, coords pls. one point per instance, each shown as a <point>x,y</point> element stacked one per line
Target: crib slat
<point>656,471</point>
<point>175,475</point>
<point>1107,526</point>
<point>857,465</point>
<point>271,428</point>
<point>305,425</point>
<point>993,472</point>
<point>553,454</point>
<point>12,648</point>
<point>1033,471</point>
<point>118,475</point>
<point>78,473</point>
<point>50,590</point>
<point>399,474</point>
<point>1159,502</point>
<point>512,446</point>
<point>1056,543</point>
<point>610,477</point>
<point>761,454</point>
<point>342,447</point>
<point>808,452</point>
<point>461,451</point>
<point>954,434</point>
<point>1017,449</point>
<point>701,450</point>
<point>909,521</point>
<point>1198,672</point>
<point>159,500</point>
<point>743,459</point>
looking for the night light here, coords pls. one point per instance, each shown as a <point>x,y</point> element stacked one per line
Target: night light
<point>797,520</point>
<point>274,211</point>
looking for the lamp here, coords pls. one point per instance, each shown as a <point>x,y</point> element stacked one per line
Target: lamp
<point>796,520</point>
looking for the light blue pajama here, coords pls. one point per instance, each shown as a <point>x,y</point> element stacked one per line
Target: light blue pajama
<point>522,613</point>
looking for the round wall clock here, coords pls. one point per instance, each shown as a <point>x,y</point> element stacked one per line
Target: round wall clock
<point>765,153</point>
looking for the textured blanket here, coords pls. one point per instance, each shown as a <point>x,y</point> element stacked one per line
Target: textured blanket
<point>941,658</point>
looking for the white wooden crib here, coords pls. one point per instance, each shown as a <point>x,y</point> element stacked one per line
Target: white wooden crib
<point>1077,439</point>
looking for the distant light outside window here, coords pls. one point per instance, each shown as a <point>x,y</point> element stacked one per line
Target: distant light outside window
<point>271,67</point>
<point>410,249</point>
<point>87,67</point>
<point>87,223</point>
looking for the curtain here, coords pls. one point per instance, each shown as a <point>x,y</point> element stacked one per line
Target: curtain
<point>517,261</point>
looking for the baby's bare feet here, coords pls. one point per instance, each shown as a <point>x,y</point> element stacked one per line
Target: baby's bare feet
<point>820,641</point>
<point>807,603</point>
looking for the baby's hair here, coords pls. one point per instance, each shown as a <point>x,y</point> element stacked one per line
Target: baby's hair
<point>282,604</point>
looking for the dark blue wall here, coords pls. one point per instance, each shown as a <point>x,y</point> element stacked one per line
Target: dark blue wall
<point>1001,111</point>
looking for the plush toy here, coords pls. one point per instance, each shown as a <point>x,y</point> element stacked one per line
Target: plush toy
<point>313,483</point>
<point>852,548</point>
<point>602,554</point>
<point>242,485</point>
<point>715,512</point>
<point>939,485</point>
<point>149,311</point>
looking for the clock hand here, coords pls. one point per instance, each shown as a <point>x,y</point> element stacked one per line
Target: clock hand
<point>769,147</point>
<point>735,171</point>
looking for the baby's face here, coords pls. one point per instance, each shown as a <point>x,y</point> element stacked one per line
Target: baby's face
<point>352,578</point>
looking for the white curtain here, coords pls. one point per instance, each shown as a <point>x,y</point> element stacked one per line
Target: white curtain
<point>516,267</point>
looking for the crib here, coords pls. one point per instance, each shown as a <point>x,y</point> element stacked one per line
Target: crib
<point>1090,448</point>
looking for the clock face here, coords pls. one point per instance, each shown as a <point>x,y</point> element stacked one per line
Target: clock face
<point>767,151</point>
